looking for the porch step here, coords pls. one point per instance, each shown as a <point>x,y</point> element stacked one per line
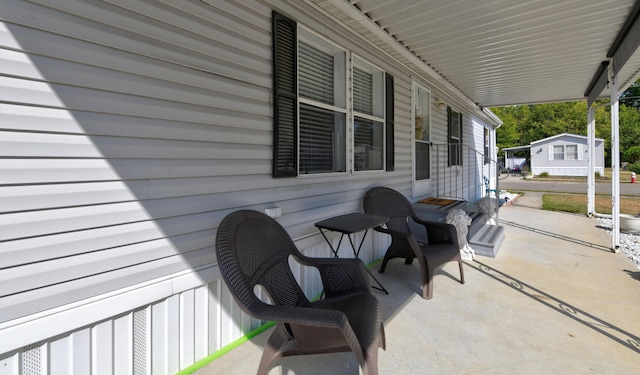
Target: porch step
<point>487,240</point>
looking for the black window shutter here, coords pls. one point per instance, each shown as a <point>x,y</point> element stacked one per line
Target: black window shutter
<point>460,143</point>
<point>285,93</point>
<point>389,119</point>
<point>450,137</point>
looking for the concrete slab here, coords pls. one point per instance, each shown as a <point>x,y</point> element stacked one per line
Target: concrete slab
<point>555,300</point>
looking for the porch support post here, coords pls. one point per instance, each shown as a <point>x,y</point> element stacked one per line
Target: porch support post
<point>615,162</point>
<point>591,178</point>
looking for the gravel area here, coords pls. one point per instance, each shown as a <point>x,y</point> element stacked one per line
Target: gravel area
<point>629,243</point>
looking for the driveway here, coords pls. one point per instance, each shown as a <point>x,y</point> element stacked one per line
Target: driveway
<point>516,183</point>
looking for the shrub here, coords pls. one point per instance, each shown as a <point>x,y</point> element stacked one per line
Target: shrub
<point>635,167</point>
<point>544,174</point>
<point>598,175</point>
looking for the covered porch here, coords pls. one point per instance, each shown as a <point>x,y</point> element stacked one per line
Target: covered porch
<point>554,301</point>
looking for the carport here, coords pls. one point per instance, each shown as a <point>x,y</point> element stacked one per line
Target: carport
<point>501,53</point>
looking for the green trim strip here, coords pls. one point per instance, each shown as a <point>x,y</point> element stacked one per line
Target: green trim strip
<point>226,349</point>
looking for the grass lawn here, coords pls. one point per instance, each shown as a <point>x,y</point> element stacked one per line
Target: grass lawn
<point>577,203</point>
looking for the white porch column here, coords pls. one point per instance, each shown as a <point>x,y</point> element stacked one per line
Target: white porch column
<point>615,162</point>
<point>591,179</point>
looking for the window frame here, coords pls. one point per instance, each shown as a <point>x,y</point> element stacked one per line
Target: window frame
<point>455,142</point>
<point>377,115</point>
<point>567,153</point>
<point>421,186</point>
<point>554,153</point>
<point>338,107</point>
<point>286,36</point>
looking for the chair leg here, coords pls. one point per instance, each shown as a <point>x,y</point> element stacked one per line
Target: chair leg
<point>370,365</point>
<point>274,349</point>
<point>427,283</point>
<point>384,264</point>
<point>461,271</point>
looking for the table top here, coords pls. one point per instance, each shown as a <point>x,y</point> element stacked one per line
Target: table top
<point>352,223</point>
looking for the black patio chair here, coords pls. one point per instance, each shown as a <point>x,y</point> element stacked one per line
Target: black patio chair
<point>440,245</point>
<point>253,249</point>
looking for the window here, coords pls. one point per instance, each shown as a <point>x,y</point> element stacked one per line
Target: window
<point>311,130</point>
<point>455,137</point>
<point>571,152</point>
<point>558,152</point>
<point>322,107</point>
<point>422,131</point>
<point>368,119</point>
<point>487,156</point>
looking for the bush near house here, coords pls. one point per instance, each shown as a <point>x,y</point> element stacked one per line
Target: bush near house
<point>635,167</point>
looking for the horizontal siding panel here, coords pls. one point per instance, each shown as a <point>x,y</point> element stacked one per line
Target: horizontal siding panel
<point>21,304</point>
<point>108,102</point>
<point>80,75</point>
<point>164,45</point>
<point>34,171</point>
<point>18,171</point>
<point>189,168</point>
<point>87,54</point>
<point>20,117</point>
<point>50,120</point>
<point>17,64</point>
<point>34,197</point>
<point>31,224</point>
<point>211,27</point>
<point>23,91</point>
<point>62,245</point>
<point>14,144</point>
<point>39,249</point>
<point>36,275</point>
<point>173,149</point>
<point>232,130</point>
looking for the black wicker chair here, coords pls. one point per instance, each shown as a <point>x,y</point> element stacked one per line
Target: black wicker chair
<point>441,239</point>
<point>253,249</point>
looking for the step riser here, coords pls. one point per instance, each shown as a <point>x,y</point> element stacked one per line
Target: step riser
<point>487,241</point>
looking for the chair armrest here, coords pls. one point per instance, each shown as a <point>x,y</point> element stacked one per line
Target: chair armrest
<point>308,316</point>
<point>438,232</point>
<point>393,233</point>
<point>339,275</point>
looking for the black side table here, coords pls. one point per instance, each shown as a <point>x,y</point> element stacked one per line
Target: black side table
<point>348,224</point>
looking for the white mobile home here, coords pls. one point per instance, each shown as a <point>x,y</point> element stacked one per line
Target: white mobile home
<point>565,155</point>
<point>560,155</point>
<point>129,129</point>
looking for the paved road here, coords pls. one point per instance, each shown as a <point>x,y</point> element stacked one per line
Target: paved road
<point>516,183</point>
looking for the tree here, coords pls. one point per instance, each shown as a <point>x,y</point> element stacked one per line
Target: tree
<point>632,154</point>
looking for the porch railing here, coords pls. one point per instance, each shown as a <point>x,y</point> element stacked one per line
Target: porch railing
<point>469,175</point>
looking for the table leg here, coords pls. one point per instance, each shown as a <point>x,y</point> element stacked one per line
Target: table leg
<point>357,254</point>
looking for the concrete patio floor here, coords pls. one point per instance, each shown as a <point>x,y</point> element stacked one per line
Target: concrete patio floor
<point>554,301</point>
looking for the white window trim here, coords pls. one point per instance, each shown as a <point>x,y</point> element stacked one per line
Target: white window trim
<point>419,187</point>
<point>379,109</point>
<point>325,45</point>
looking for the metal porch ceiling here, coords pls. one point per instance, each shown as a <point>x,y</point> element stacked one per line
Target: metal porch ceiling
<point>496,52</point>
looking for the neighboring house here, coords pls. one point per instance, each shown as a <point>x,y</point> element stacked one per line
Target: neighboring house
<point>127,132</point>
<point>563,155</point>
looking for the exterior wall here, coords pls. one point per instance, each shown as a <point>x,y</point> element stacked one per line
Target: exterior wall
<point>128,130</point>
<point>541,150</point>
